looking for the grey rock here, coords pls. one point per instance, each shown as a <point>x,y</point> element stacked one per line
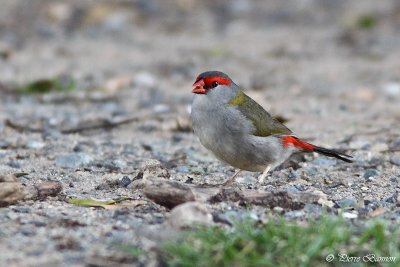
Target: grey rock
<point>182,169</point>
<point>313,209</point>
<point>74,160</point>
<point>109,164</point>
<point>5,144</point>
<point>189,214</point>
<point>291,189</point>
<point>312,171</point>
<point>14,164</point>
<point>125,181</point>
<point>294,214</point>
<point>153,168</point>
<point>197,170</point>
<point>246,180</point>
<point>346,203</point>
<point>370,173</point>
<point>395,160</point>
<point>324,162</point>
<point>32,144</point>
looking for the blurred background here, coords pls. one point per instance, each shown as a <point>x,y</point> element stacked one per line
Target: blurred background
<point>90,90</point>
<point>305,48</point>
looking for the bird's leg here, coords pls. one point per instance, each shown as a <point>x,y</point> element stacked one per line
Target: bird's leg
<point>261,178</point>
<point>232,178</point>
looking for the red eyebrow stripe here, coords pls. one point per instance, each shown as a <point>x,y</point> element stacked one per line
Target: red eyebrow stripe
<point>220,80</point>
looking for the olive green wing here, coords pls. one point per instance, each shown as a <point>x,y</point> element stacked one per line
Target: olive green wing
<point>264,123</point>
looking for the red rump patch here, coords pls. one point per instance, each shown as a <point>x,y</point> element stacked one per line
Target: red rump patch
<point>296,142</point>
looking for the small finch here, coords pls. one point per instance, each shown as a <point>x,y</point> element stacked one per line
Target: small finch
<point>239,131</point>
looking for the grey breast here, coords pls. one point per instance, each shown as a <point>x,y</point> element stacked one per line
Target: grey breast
<point>225,131</point>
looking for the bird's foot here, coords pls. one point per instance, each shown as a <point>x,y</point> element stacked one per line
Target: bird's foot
<point>231,179</point>
<point>261,178</point>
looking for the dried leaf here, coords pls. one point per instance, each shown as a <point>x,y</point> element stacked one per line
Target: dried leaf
<point>97,203</point>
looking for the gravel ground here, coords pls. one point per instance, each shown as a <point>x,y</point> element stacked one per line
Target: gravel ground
<point>330,68</point>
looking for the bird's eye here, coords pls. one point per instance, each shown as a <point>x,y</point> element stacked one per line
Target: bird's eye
<point>215,84</point>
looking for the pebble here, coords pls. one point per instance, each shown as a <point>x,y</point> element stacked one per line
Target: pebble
<point>313,208</point>
<point>189,214</point>
<point>360,145</point>
<point>370,173</point>
<point>32,144</point>
<point>246,180</point>
<point>21,209</point>
<point>294,214</point>
<point>346,203</point>
<point>145,80</point>
<point>14,164</point>
<point>74,160</point>
<point>364,188</point>
<point>182,169</point>
<point>349,215</point>
<point>324,162</point>
<point>395,160</point>
<point>291,189</point>
<point>4,144</point>
<point>391,89</point>
<point>312,171</point>
<point>279,210</point>
<point>111,165</point>
<point>197,170</point>
<point>125,181</point>
<point>379,147</point>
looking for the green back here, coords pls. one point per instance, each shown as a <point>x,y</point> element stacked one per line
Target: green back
<point>264,123</point>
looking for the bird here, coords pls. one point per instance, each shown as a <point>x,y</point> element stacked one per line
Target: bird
<point>239,131</point>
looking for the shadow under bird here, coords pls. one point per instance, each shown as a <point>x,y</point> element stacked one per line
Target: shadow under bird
<point>239,131</point>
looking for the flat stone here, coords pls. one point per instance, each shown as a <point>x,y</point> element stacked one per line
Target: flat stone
<point>395,160</point>
<point>74,160</point>
<point>346,203</point>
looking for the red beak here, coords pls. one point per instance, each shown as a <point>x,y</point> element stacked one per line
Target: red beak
<point>198,87</point>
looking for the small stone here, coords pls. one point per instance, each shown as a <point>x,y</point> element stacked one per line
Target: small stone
<point>324,162</point>
<point>74,160</point>
<point>294,214</point>
<point>21,209</point>
<point>125,181</point>
<point>395,160</point>
<point>370,173</point>
<point>364,188</point>
<point>360,144</point>
<point>153,168</point>
<point>379,147</point>
<point>14,164</point>
<point>189,214</point>
<point>182,169</point>
<point>246,180</point>
<point>111,165</point>
<point>349,215</point>
<point>291,189</point>
<point>346,203</point>
<point>197,170</point>
<point>27,231</point>
<point>5,144</point>
<point>392,89</point>
<point>145,80</point>
<point>32,144</point>
<point>278,210</point>
<point>312,171</point>
<point>49,188</point>
<point>10,191</point>
<point>313,209</point>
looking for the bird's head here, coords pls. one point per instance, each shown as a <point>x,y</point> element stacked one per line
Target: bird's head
<point>210,80</point>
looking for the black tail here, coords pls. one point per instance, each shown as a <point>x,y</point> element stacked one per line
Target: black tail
<point>333,153</point>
